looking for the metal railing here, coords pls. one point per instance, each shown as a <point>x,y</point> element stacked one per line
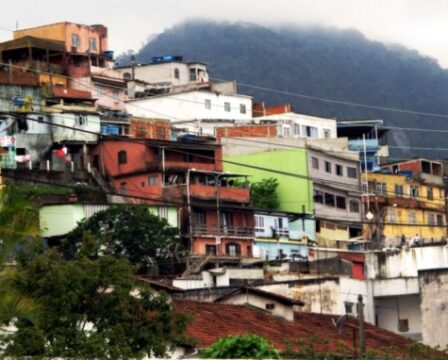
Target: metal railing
<point>223,230</point>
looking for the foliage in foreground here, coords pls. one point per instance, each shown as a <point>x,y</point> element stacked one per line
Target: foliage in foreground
<point>18,221</point>
<point>130,232</point>
<point>90,310</point>
<point>263,194</point>
<point>241,347</point>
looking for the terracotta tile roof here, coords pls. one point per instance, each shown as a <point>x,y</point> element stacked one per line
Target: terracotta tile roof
<point>210,321</point>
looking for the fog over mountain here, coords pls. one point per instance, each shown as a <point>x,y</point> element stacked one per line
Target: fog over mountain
<point>320,62</point>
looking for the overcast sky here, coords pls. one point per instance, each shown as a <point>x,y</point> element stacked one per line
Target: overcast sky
<point>417,24</point>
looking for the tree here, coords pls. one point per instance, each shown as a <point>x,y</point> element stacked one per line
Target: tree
<point>93,309</point>
<point>18,221</point>
<point>247,346</point>
<point>126,231</point>
<point>263,194</point>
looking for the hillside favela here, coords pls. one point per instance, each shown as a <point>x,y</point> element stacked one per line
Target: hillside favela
<point>173,203</point>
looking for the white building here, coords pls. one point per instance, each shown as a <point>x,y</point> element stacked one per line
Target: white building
<point>192,105</point>
<point>294,125</point>
<point>175,73</point>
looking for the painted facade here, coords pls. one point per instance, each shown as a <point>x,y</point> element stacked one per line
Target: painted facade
<point>405,205</point>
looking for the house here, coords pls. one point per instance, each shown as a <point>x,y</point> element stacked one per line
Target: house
<point>338,205</point>
<point>308,332</point>
<point>283,159</point>
<point>216,215</point>
<point>369,138</point>
<point>192,105</point>
<point>294,125</point>
<point>406,205</point>
<point>279,235</point>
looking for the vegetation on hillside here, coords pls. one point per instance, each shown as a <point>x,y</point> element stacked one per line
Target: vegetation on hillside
<point>321,62</point>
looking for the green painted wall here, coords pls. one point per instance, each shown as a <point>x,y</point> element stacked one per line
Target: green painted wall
<point>56,220</point>
<point>293,193</point>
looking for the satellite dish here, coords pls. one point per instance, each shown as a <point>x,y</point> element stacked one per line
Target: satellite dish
<point>340,322</point>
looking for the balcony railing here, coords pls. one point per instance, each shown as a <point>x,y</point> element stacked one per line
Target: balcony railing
<point>223,230</point>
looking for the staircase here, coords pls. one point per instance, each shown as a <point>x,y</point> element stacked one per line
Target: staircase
<point>197,265</point>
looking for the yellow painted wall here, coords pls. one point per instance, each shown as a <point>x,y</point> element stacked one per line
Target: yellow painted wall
<point>55,80</point>
<point>403,223</point>
<point>340,232</point>
<point>51,32</point>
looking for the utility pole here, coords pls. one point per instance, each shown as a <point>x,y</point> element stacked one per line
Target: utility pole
<point>362,340</point>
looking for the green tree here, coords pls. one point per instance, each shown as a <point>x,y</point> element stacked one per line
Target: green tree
<point>263,194</point>
<point>93,309</point>
<point>247,346</point>
<point>18,221</point>
<point>126,231</point>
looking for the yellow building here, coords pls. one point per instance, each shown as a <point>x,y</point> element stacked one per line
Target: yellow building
<point>405,205</point>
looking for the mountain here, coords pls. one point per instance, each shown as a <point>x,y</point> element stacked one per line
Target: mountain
<point>325,63</point>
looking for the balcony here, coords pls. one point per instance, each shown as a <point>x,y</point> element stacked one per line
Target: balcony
<point>224,193</point>
<point>372,145</point>
<point>185,165</point>
<point>225,231</point>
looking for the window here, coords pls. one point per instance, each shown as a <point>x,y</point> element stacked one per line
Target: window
<point>152,180</point>
<point>348,307</point>
<point>318,197</point>
<point>76,41</point>
<point>399,190</point>
<point>392,215</point>
<point>80,120</point>
<point>403,325</point>
<point>329,199</point>
<point>340,202</point>
<point>441,193</point>
<point>309,131</point>
<point>92,43</point>
<point>431,219</point>
<point>364,188</point>
<point>413,191</point>
<point>127,76</point>
<point>352,172</point>
<point>163,212</point>
<point>227,106</point>
<point>122,157</point>
<point>296,129</point>
<point>327,167</point>
<point>176,73</point>
<point>192,74</point>
<point>439,220</point>
<point>430,193</point>
<point>198,217</point>
<point>270,306</point>
<point>115,95</point>
<point>286,131</point>
<point>233,249</point>
<point>381,189</point>
<point>354,206</point>
<point>327,133</point>
<point>259,222</point>
<point>210,249</point>
<point>412,218</point>
<point>242,108</point>
<point>123,188</point>
<point>339,170</point>
<point>208,104</point>
<point>315,163</point>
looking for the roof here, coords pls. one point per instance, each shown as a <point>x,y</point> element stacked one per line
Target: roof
<point>209,321</point>
<point>31,41</point>
<point>255,291</point>
<point>157,285</point>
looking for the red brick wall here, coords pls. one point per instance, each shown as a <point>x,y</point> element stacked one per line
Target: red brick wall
<point>247,131</point>
<point>151,129</point>
<point>19,78</point>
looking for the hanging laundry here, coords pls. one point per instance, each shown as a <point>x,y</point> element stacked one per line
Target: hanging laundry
<point>60,153</point>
